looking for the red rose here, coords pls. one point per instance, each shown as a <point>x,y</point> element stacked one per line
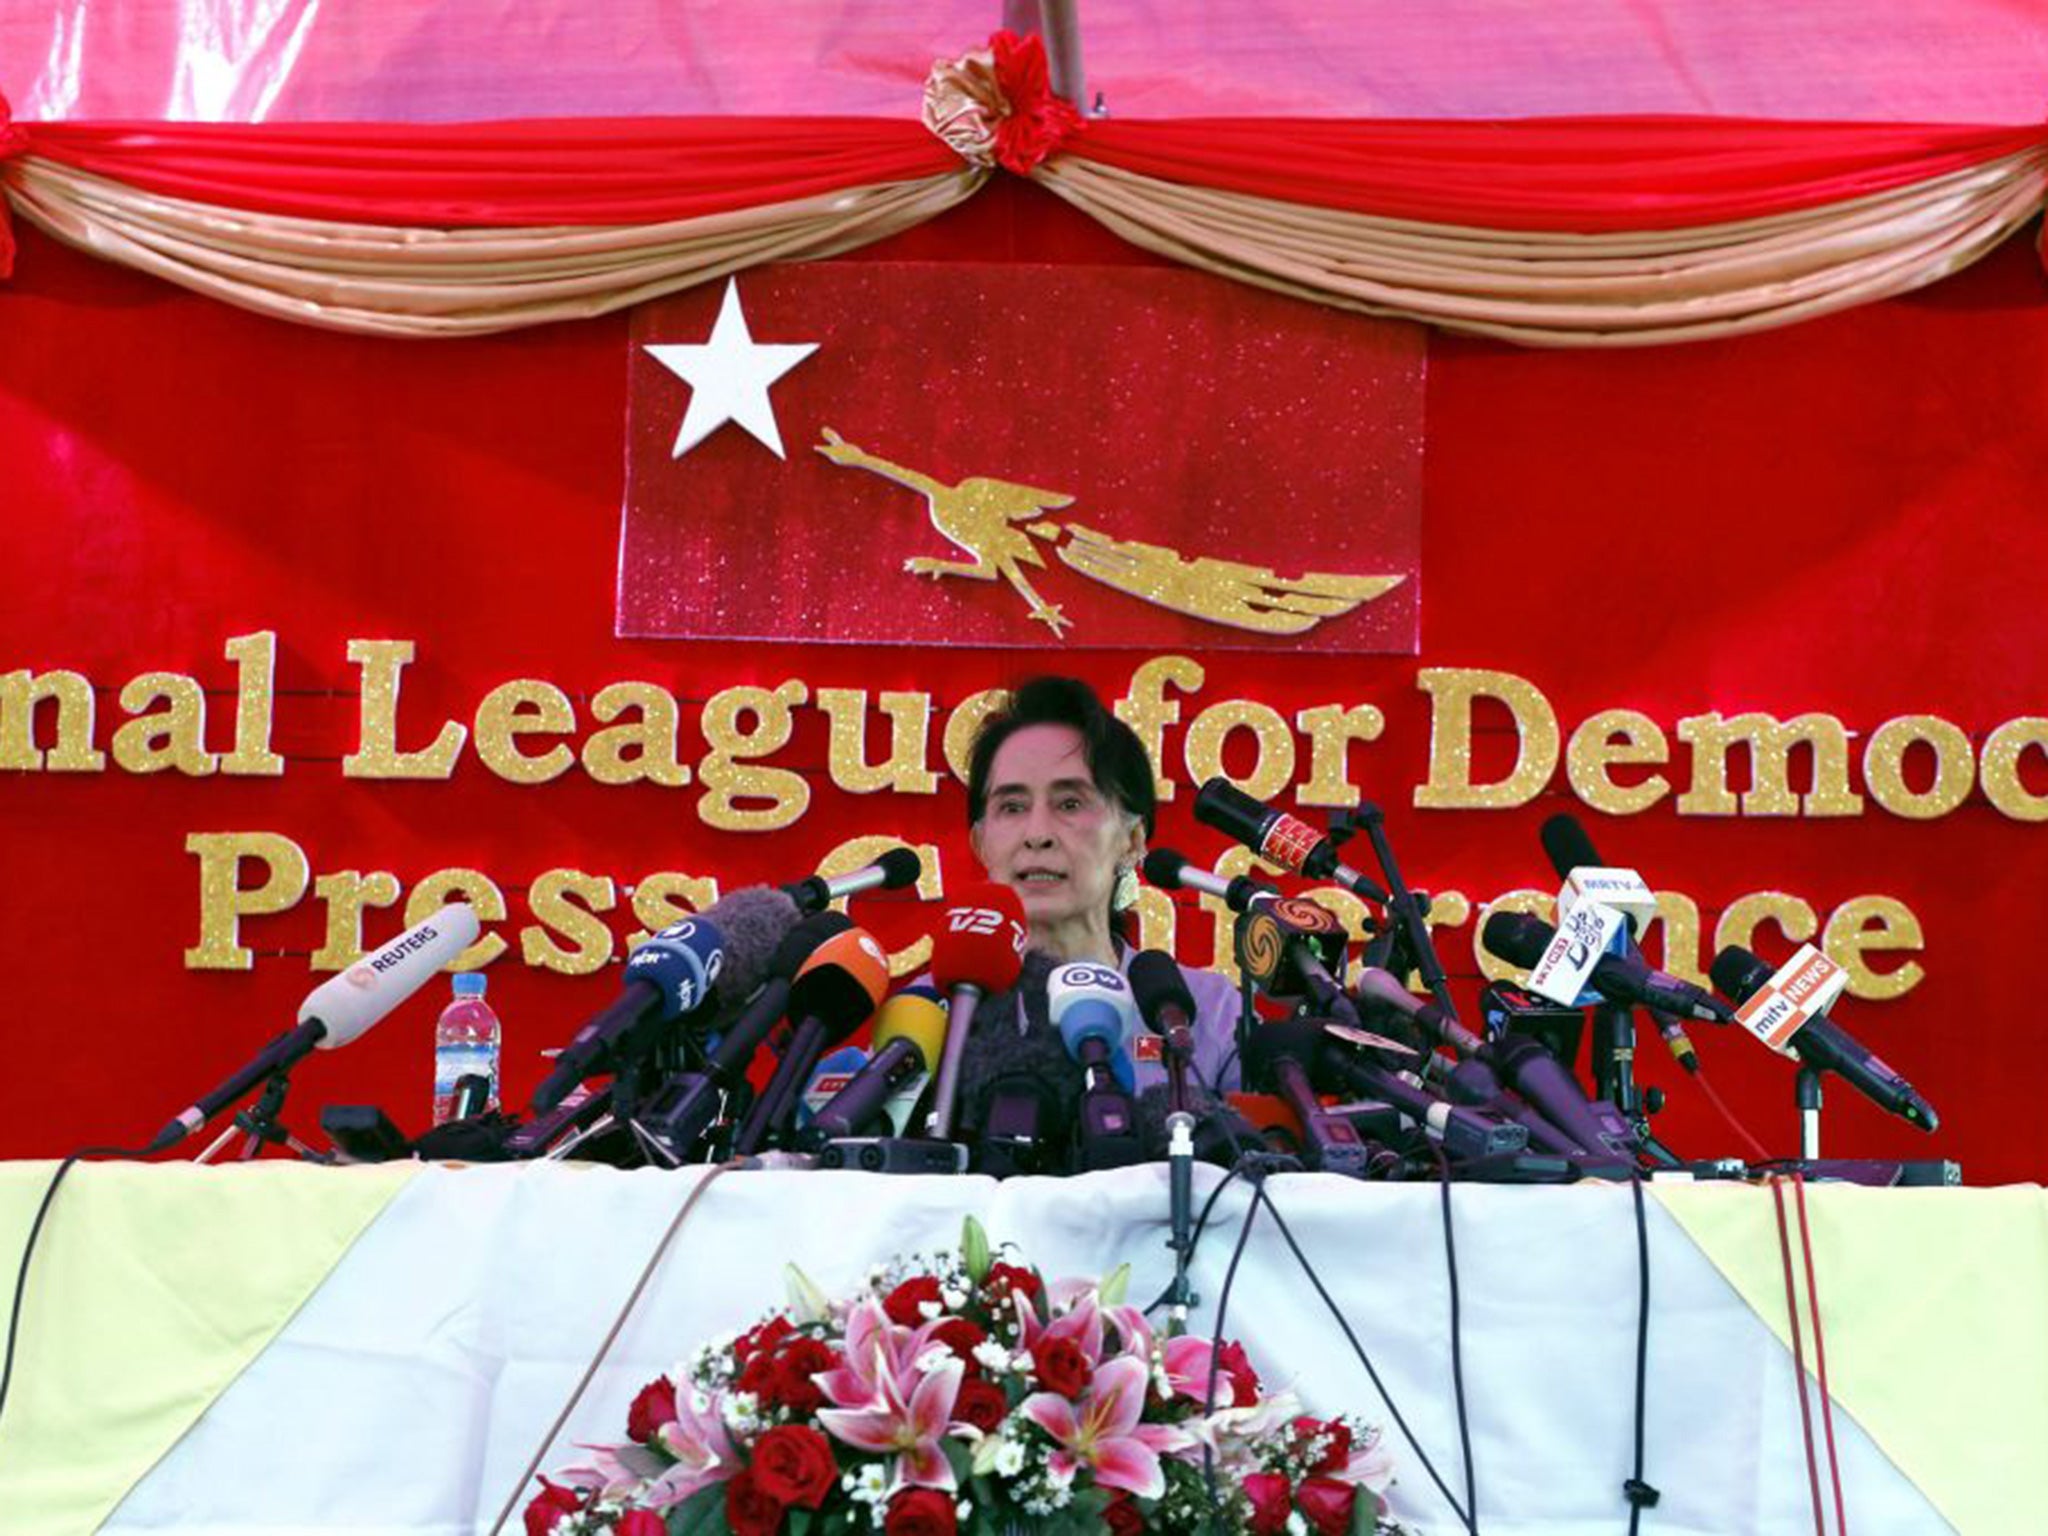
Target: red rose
<point>765,1337</point>
<point>1005,1280</point>
<point>982,1404</point>
<point>960,1336</point>
<point>549,1505</point>
<point>640,1522</point>
<point>1270,1503</point>
<point>1061,1366</point>
<point>1338,1434</point>
<point>1244,1381</point>
<point>1123,1517</point>
<point>1327,1503</point>
<point>921,1512</point>
<point>749,1510</point>
<point>793,1464</point>
<point>800,1360</point>
<point>654,1407</point>
<point>905,1304</point>
<point>758,1374</point>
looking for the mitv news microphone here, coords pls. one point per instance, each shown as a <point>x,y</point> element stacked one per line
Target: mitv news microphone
<point>1522,940</point>
<point>1825,1045</point>
<point>1286,840</point>
<point>339,1009</point>
<point>978,948</point>
<point>910,1032</point>
<point>1091,1006</point>
<point>669,975</point>
<point>891,872</point>
<point>833,992</point>
<point>1570,849</point>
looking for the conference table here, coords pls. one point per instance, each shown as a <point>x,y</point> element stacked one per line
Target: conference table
<point>280,1348</point>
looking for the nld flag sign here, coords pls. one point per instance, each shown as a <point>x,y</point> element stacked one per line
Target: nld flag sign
<point>910,453</point>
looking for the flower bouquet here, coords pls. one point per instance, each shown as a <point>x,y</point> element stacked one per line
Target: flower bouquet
<point>963,1393</point>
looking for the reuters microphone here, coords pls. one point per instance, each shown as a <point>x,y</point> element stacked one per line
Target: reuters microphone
<point>978,948</point>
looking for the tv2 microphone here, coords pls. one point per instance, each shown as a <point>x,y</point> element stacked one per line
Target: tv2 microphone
<point>1285,840</point>
<point>978,948</point>
<point>891,872</point>
<point>1824,1044</point>
<point>339,1009</point>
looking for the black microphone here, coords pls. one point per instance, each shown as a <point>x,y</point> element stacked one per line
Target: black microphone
<point>835,989</point>
<point>1017,1094</point>
<point>1565,840</point>
<point>1168,1008</point>
<point>670,975</point>
<point>891,872</point>
<point>1465,1132</point>
<point>1222,1136</point>
<point>1824,1044</point>
<point>1172,870</point>
<point>1286,840</point>
<point>1520,939</point>
<point>910,1032</point>
<point>1285,1054</point>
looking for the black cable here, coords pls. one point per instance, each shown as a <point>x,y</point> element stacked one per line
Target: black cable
<point>29,1248</point>
<point>1640,1495</point>
<point>1216,1347</point>
<point>1259,1194</point>
<point>1443,1164</point>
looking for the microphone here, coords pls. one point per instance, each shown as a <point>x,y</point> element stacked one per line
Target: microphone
<point>892,871</point>
<point>1569,847</point>
<point>1286,840</point>
<point>829,1078</point>
<point>910,1031</point>
<point>1017,1103</point>
<point>1285,1054</point>
<point>977,948</point>
<point>1464,1132</point>
<point>1825,1045</point>
<point>669,975</point>
<point>1168,1009</point>
<point>1171,870</point>
<point>1522,940</point>
<point>339,1009</point>
<point>1090,1005</point>
<point>1287,943</point>
<point>835,989</point>
<point>1222,1136</point>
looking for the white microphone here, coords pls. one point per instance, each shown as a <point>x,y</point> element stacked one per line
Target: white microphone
<point>341,1008</point>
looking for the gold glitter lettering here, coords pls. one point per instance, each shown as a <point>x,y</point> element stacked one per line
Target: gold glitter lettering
<point>1610,737</point>
<point>224,900</point>
<point>1678,922</point>
<point>1865,923</point>
<point>1536,903</point>
<point>1331,728</point>
<point>1998,769</point>
<point>668,897</point>
<point>255,659</point>
<point>724,782</point>
<point>1792,915</point>
<point>1884,766</point>
<point>639,749</point>
<point>1234,862</point>
<point>564,901</point>
<point>1271,771</point>
<point>377,755</point>
<point>474,887</point>
<point>526,706</point>
<point>1146,709</point>
<point>1156,918</point>
<point>965,722</point>
<point>73,752</point>
<point>1452,691</point>
<point>1770,745</point>
<point>347,892</point>
<point>174,738</point>
<point>909,733</point>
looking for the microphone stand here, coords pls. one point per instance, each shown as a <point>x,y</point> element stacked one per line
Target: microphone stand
<point>1614,1054</point>
<point>1406,908</point>
<point>260,1127</point>
<point>1806,1092</point>
<point>1180,1183</point>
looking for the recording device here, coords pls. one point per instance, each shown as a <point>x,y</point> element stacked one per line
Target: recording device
<point>1522,940</point>
<point>978,948</point>
<point>1505,1008</point>
<point>1825,1045</point>
<point>1092,1008</point>
<point>835,989</point>
<point>670,975</point>
<point>1018,1107</point>
<point>1285,1054</point>
<point>338,1010</point>
<point>1274,835</point>
<point>893,871</point>
<point>910,1032</point>
<point>364,1133</point>
<point>1570,848</point>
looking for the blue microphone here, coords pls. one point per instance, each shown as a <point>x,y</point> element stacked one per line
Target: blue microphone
<point>671,974</point>
<point>1093,1009</point>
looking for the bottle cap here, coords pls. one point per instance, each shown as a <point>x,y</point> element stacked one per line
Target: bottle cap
<point>469,984</point>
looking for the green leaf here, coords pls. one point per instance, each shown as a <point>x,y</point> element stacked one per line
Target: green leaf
<point>974,1250</point>
<point>701,1514</point>
<point>1113,1290</point>
<point>960,1455</point>
<point>800,1522</point>
<point>1365,1520</point>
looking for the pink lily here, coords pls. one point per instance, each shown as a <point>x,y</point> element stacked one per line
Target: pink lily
<point>911,1427</point>
<point>1083,1325</point>
<point>696,1438</point>
<point>1104,1432</point>
<point>877,1352</point>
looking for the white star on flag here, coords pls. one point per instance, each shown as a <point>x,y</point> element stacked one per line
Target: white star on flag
<point>729,377</point>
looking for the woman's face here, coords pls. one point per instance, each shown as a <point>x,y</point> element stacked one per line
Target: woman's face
<point>1049,833</point>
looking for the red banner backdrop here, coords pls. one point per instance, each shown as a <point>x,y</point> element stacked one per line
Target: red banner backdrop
<point>1625,554</point>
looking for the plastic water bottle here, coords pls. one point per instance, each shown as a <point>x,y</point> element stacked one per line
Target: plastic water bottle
<point>465,1041</point>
